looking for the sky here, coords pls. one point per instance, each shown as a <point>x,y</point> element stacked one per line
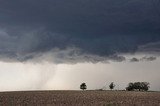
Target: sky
<point>58,44</point>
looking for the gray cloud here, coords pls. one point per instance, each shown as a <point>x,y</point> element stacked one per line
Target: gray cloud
<point>68,55</point>
<point>149,58</point>
<point>102,30</point>
<point>145,58</point>
<point>134,60</point>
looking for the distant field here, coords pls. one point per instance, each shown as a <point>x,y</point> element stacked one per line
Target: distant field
<point>79,98</point>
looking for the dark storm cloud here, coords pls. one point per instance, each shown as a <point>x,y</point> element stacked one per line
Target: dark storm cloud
<point>99,28</point>
<point>150,47</point>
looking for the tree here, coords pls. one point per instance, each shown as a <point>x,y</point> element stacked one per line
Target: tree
<point>137,86</point>
<point>145,86</point>
<point>130,87</point>
<point>83,86</point>
<point>140,86</point>
<point>112,85</point>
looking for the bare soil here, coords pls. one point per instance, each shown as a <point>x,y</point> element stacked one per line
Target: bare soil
<point>79,98</point>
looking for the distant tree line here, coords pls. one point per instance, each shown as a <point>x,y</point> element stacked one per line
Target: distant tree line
<point>136,86</point>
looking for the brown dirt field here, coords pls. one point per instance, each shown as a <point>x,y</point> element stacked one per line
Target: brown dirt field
<point>79,98</point>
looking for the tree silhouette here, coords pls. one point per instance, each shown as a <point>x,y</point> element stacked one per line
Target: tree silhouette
<point>83,86</point>
<point>112,85</point>
<point>130,87</point>
<point>140,86</point>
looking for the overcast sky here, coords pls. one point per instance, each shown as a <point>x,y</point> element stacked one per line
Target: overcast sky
<point>58,44</point>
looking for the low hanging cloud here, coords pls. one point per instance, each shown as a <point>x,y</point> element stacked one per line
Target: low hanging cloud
<point>151,58</point>
<point>69,55</point>
<point>78,31</point>
<point>134,60</point>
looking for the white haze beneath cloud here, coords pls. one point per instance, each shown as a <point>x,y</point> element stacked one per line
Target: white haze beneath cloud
<point>47,75</point>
